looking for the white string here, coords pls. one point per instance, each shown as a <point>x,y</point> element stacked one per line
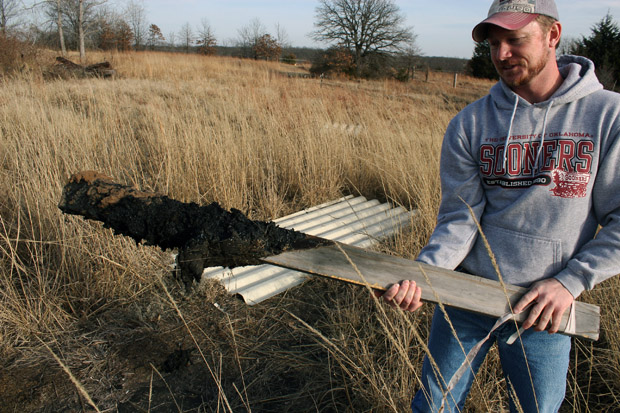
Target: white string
<point>542,137</point>
<point>512,119</point>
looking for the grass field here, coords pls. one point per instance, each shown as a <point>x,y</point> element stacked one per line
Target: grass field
<point>90,321</point>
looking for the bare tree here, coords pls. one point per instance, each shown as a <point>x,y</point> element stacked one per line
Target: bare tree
<point>567,44</point>
<point>187,36</point>
<point>135,15</point>
<point>79,16</point>
<point>9,9</point>
<point>172,38</point>
<point>363,26</point>
<point>61,34</point>
<point>80,28</point>
<point>282,36</point>
<point>53,9</point>
<point>406,61</point>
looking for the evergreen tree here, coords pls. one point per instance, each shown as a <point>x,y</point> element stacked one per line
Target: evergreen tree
<point>480,64</point>
<point>602,47</point>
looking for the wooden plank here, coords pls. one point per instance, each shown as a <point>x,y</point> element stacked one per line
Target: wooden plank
<point>451,288</point>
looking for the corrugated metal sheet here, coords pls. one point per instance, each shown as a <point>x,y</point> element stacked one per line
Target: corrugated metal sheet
<point>350,220</point>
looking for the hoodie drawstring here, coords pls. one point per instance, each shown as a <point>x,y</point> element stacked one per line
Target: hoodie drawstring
<point>512,119</point>
<point>542,137</point>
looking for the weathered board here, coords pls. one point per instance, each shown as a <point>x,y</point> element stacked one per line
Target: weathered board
<point>451,288</point>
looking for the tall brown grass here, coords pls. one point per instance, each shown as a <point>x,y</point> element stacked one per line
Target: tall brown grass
<point>95,310</point>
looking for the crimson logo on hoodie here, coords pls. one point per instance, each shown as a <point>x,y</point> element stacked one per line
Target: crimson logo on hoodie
<point>564,162</point>
<point>570,184</point>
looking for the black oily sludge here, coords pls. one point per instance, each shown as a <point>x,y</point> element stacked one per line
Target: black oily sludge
<point>205,236</point>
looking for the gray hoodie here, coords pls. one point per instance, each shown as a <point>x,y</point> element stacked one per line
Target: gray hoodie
<point>539,203</point>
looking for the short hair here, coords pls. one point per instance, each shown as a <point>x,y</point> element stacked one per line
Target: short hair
<point>545,23</point>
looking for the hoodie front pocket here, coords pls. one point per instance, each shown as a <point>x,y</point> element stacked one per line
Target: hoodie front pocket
<point>522,258</point>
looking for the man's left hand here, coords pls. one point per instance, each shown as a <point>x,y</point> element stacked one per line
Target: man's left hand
<point>549,299</point>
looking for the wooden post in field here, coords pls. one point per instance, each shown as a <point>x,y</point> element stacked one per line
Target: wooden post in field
<point>456,77</point>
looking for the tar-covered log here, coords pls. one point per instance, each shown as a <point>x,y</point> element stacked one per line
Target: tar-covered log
<point>205,236</point>
<point>102,69</point>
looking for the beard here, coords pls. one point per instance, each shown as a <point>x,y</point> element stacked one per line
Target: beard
<point>530,71</point>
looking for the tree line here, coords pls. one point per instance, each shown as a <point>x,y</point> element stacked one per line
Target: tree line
<point>373,37</point>
<point>363,38</point>
<point>95,24</point>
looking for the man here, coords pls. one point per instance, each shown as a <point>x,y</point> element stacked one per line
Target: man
<point>537,161</point>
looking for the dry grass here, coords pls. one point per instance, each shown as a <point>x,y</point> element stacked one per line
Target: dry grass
<point>74,298</point>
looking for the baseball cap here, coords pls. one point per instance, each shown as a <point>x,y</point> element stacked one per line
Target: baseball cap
<point>514,14</point>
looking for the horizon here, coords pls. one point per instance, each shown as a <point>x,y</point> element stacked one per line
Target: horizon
<point>442,29</point>
<point>438,34</point>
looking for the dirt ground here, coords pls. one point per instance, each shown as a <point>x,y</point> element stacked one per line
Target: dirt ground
<point>141,357</point>
<point>126,363</point>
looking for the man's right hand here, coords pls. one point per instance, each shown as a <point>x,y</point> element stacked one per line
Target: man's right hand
<point>405,295</point>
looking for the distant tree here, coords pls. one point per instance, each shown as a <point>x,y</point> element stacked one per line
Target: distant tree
<point>282,36</point>
<point>124,36</point>
<point>107,36</point>
<point>172,38</point>
<point>9,9</point>
<point>567,44</point>
<point>365,27</point>
<point>248,36</point>
<point>481,65</point>
<point>115,34</point>
<point>155,37</point>
<point>603,48</point>
<point>187,36</point>
<point>54,11</point>
<point>335,60</point>
<point>135,16</point>
<point>406,62</point>
<point>289,58</point>
<point>206,39</point>
<point>267,48</point>
<point>80,30</point>
<point>78,16</point>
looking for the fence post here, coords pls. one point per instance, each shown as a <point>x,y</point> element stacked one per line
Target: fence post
<point>456,77</point>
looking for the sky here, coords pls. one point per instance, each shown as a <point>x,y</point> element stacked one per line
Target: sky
<point>443,27</point>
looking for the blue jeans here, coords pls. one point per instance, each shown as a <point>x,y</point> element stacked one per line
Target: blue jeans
<point>547,363</point>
